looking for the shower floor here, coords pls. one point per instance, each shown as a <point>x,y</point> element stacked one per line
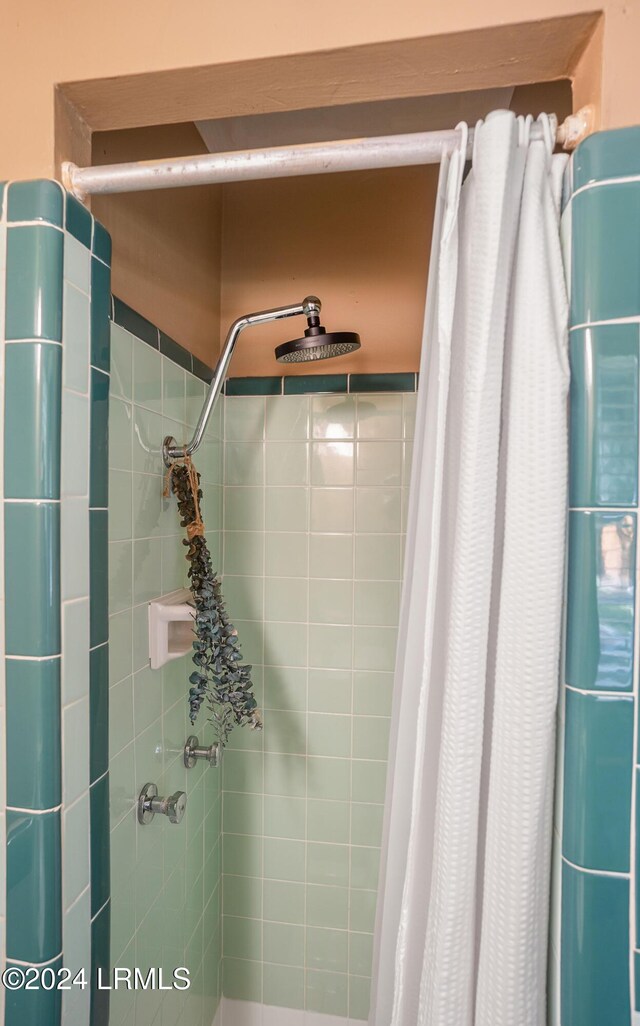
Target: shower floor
<point>249,1013</point>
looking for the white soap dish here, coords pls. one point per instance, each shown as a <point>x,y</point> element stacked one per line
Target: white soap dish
<point>170,627</point>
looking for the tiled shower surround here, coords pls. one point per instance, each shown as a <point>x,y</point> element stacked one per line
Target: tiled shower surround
<point>165,878</point>
<point>598,902</point>
<point>304,507</point>
<point>315,491</point>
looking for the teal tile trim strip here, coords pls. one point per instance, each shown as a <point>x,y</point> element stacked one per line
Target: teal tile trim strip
<point>598,974</point>
<point>253,386</point>
<point>314,384</point>
<point>102,306</point>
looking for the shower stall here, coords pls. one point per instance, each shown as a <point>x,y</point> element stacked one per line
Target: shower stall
<point>199,875</point>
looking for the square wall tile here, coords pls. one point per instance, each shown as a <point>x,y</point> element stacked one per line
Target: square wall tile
<point>287,418</point>
<point>286,463</point>
<point>286,508</point>
<point>75,332</point>
<point>332,464</point>
<point>333,417</point>
<point>77,264</point>
<point>327,992</point>
<point>283,986</point>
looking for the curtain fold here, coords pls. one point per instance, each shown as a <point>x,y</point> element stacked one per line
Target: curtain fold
<point>462,915</point>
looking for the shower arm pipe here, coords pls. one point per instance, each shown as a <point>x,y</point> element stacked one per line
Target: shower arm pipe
<point>309,306</point>
<point>288,161</point>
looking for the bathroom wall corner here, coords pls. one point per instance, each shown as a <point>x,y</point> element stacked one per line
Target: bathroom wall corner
<point>54,316</point>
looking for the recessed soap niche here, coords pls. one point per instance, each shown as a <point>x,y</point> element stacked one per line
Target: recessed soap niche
<point>171,619</point>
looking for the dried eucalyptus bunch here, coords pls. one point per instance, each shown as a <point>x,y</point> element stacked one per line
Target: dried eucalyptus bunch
<point>220,676</point>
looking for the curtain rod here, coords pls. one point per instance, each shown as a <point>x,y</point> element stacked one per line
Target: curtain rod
<point>287,161</point>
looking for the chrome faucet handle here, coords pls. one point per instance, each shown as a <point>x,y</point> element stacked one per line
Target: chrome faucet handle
<point>193,751</point>
<point>175,806</point>
<point>149,803</point>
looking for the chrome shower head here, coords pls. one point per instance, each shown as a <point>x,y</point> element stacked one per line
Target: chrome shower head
<point>317,343</point>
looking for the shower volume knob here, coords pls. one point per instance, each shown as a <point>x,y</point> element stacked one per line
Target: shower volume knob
<point>149,803</point>
<point>176,806</point>
<point>193,751</point>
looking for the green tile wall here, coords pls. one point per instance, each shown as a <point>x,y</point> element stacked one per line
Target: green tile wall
<point>314,510</point>
<point>56,898</point>
<point>593,958</point>
<point>165,878</point>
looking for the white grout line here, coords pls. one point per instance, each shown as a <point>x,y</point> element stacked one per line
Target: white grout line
<point>33,812</point>
<point>635,319</point>
<point>601,693</point>
<point>595,872</point>
<point>622,180</point>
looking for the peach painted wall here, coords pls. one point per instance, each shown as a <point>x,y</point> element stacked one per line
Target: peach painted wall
<point>46,43</point>
<point>359,241</point>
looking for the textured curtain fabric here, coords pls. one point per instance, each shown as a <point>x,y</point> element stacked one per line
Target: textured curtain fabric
<point>461,936</point>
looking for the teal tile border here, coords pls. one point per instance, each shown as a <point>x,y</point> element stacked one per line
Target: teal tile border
<point>98,712</point>
<point>99,817</point>
<point>597,791</point>
<point>33,1007</point>
<point>606,155</point>
<point>100,960</point>
<point>41,213</point>
<point>78,221</point>
<point>135,323</point>
<point>32,578</point>
<point>101,243</point>
<point>605,367</point>
<point>254,386</point>
<point>33,711</point>
<point>601,809</point>
<point>594,949</point>
<point>599,649</point>
<point>37,200</point>
<point>383,382</point>
<point>305,384</point>
<point>34,886</point>
<point>99,449</point>
<point>33,306</point>
<point>32,392</point>
<point>605,282</point>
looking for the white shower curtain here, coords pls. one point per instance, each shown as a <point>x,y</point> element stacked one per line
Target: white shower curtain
<point>461,936</point>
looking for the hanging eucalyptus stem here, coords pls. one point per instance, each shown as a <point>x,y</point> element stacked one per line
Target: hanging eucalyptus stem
<point>220,676</point>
